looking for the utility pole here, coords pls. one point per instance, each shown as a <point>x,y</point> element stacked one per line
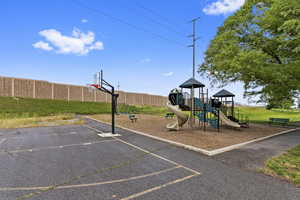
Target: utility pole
<point>194,39</point>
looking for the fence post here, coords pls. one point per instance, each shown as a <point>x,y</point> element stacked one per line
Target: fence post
<point>33,94</point>
<point>68,93</point>
<point>52,90</point>
<point>12,87</point>
<point>95,95</point>
<point>82,97</point>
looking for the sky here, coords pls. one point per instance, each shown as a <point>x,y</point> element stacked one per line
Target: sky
<point>140,45</point>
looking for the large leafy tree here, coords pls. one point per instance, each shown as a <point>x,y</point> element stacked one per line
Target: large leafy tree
<point>260,46</point>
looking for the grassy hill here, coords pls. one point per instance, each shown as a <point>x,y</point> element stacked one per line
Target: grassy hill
<point>12,107</point>
<point>25,112</point>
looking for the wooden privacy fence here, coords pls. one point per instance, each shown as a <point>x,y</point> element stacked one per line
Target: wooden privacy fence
<point>17,87</point>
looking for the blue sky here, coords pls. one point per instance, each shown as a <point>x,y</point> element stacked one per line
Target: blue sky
<point>140,44</point>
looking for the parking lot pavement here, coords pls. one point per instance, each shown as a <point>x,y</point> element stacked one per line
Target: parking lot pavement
<point>73,162</point>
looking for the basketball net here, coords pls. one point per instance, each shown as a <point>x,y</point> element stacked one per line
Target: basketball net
<point>93,87</point>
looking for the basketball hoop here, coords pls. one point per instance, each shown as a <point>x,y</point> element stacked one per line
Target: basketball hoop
<point>97,86</point>
<point>93,87</point>
<point>102,85</point>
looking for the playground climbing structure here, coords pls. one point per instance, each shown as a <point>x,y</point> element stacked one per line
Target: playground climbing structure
<point>213,112</point>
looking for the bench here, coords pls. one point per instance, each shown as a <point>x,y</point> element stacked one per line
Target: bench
<point>132,117</point>
<point>281,121</point>
<point>169,115</point>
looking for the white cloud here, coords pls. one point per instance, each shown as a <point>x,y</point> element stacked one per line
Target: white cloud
<point>145,60</point>
<point>78,43</point>
<point>42,45</point>
<point>84,21</point>
<point>223,7</point>
<point>168,74</point>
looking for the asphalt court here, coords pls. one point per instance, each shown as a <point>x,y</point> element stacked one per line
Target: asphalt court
<point>73,162</point>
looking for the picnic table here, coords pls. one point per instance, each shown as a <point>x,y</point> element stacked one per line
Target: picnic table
<point>281,121</point>
<point>169,115</point>
<point>132,117</point>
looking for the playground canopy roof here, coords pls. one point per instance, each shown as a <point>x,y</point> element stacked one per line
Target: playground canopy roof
<point>223,93</point>
<point>192,83</point>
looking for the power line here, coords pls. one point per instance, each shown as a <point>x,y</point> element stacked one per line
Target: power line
<point>100,12</point>
<point>165,25</point>
<point>138,4</point>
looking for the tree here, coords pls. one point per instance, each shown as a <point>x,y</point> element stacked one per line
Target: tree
<point>260,46</point>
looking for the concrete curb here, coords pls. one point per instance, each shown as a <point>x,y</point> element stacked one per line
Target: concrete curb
<point>203,151</point>
<point>236,146</point>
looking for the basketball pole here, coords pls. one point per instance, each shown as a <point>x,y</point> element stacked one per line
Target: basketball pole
<point>114,98</point>
<point>113,110</point>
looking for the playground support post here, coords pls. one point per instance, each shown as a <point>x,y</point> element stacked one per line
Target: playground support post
<point>205,117</point>
<point>232,107</point>
<point>218,120</point>
<point>193,108</point>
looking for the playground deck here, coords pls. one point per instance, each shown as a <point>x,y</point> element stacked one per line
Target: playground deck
<point>210,139</point>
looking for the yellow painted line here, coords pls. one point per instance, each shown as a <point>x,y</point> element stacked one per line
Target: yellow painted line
<point>89,184</point>
<point>3,140</point>
<point>158,156</point>
<point>158,187</point>
<point>55,147</point>
<point>146,151</point>
<point>94,129</point>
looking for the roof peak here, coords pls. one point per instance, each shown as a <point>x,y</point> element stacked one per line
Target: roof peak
<point>192,83</point>
<point>224,93</point>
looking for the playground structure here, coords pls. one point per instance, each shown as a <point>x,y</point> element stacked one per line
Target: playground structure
<point>213,111</point>
<point>182,118</point>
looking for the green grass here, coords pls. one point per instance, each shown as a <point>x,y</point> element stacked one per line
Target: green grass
<point>12,107</point>
<point>262,115</point>
<point>286,166</point>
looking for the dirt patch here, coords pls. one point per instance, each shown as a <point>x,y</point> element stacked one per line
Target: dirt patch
<point>210,139</point>
<point>27,122</point>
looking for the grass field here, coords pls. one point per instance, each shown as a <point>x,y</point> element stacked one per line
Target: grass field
<point>13,108</point>
<point>25,112</point>
<point>286,166</point>
<point>262,115</point>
